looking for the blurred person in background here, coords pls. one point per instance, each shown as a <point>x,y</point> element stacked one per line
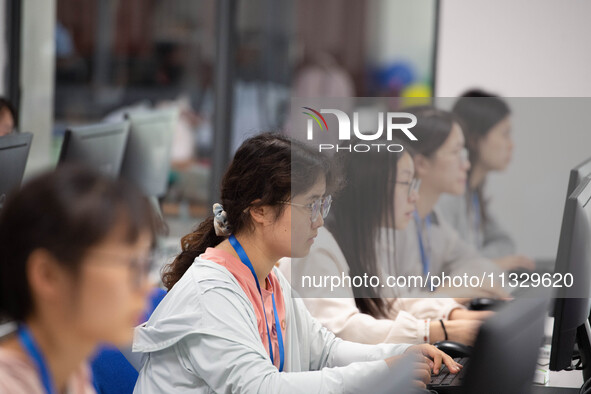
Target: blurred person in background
<point>429,245</point>
<point>487,128</point>
<point>378,197</point>
<point>7,117</point>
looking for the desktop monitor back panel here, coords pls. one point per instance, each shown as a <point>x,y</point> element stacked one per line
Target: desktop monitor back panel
<point>572,305</point>
<point>577,175</point>
<point>506,349</point>
<point>100,146</point>
<point>147,156</point>
<point>14,150</point>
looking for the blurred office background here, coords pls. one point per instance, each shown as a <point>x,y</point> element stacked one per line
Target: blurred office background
<point>75,62</point>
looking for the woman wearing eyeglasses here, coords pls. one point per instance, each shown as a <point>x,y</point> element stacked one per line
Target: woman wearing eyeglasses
<point>378,198</point>
<point>229,322</point>
<point>429,245</point>
<point>74,253</point>
<point>488,138</point>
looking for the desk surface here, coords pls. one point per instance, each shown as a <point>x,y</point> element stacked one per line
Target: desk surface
<point>566,379</point>
<point>554,390</point>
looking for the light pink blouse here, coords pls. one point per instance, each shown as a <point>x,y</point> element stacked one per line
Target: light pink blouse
<point>18,375</point>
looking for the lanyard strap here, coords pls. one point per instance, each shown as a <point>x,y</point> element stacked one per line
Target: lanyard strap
<point>476,211</point>
<point>476,221</point>
<point>28,343</point>
<point>279,335</point>
<point>424,256</point>
<point>246,261</point>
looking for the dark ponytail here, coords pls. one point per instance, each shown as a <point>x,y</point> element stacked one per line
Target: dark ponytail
<point>192,245</point>
<point>363,206</point>
<point>270,168</point>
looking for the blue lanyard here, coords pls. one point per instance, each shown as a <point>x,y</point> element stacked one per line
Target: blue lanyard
<point>476,209</point>
<point>424,256</point>
<point>246,261</point>
<point>28,343</point>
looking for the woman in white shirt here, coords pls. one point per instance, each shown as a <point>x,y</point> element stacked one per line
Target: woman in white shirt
<point>429,246</point>
<point>379,196</point>
<point>228,322</point>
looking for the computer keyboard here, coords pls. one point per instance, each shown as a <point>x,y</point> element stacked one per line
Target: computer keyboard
<point>446,379</point>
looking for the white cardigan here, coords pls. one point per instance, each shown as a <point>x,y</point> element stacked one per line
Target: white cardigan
<point>492,240</point>
<point>203,338</point>
<point>449,254</point>
<point>408,317</point>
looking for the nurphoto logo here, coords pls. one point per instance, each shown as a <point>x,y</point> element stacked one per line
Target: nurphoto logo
<point>345,131</point>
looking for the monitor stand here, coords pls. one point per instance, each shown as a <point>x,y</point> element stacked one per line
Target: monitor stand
<point>156,206</point>
<point>584,343</point>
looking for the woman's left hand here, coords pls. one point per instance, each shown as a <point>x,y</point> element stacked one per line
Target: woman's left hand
<point>465,314</point>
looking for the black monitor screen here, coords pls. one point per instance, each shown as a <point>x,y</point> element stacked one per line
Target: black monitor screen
<point>572,305</point>
<point>14,150</point>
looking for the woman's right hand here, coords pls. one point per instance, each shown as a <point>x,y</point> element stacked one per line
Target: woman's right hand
<point>422,370</point>
<point>462,331</point>
<point>429,359</point>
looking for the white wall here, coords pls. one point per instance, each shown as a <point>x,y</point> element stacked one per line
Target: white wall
<point>37,80</point>
<point>551,136</point>
<point>519,48</point>
<point>526,48</point>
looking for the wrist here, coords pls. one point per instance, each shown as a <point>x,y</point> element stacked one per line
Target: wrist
<point>443,328</point>
<point>455,314</point>
<point>436,332</point>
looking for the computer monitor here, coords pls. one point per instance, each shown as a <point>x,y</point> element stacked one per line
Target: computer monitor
<point>507,347</point>
<point>572,304</point>
<point>577,174</point>
<point>147,157</point>
<point>99,146</point>
<point>14,150</point>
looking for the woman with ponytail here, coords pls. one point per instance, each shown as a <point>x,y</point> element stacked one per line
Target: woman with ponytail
<point>229,323</point>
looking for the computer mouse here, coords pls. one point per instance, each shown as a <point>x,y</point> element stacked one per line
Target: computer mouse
<point>485,304</point>
<point>454,349</point>
<point>519,271</point>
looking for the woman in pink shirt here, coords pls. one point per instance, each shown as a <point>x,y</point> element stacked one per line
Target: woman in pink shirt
<point>74,253</point>
<point>229,322</point>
